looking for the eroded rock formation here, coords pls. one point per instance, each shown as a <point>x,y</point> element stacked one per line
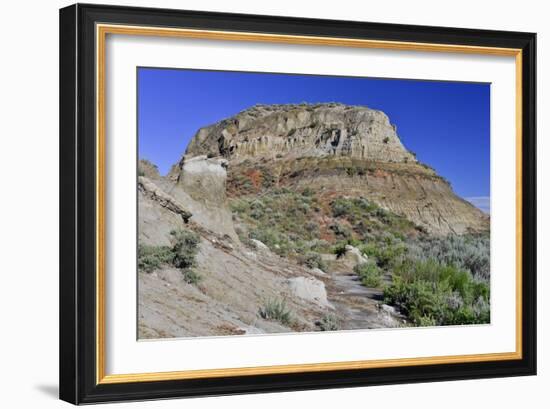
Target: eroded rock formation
<point>270,131</point>
<point>340,150</point>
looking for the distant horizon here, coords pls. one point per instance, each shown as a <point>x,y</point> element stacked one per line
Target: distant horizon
<point>446,124</point>
<point>483,203</point>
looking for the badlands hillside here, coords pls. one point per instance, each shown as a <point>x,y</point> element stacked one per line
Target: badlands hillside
<point>305,218</point>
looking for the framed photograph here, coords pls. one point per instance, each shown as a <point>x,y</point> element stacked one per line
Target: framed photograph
<point>258,203</point>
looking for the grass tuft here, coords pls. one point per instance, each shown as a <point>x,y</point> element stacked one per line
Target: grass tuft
<point>276,310</point>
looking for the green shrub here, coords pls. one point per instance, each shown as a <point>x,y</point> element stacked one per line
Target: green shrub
<point>369,273</point>
<point>282,219</point>
<point>185,248</point>
<point>366,216</point>
<point>413,270</point>
<point>268,178</point>
<point>272,238</point>
<point>427,291</point>
<point>180,255</point>
<point>191,276</point>
<point>467,252</point>
<point>386,252</point>
<point>308,192</point>
<point>418,300</point>
<point>425,321</point>
<point>444,280</point>
<point>275,310</point>
<point>340,248</point>
<point>340,230</point>
<point>319,246</point>
<point>314,260</point>
<point>151,258</point>
<point>239,206</point>
<point>351,208</point>
<point>328,323</point>
<point>311,227</point>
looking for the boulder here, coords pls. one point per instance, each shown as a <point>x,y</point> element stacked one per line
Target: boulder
<point>203,178</point>
<point>259,245</point>
<point>199,184</point>
<point>310,289</point>
<point>353,256</point>
<point>318,272</point>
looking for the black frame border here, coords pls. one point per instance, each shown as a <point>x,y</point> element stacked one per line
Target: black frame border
<point>78,197</point>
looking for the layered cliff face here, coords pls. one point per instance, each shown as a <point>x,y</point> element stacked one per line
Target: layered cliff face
<point>294,131</point>
<point>338,150</point>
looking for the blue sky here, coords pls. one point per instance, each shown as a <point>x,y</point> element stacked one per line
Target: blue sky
<point>447,124</point>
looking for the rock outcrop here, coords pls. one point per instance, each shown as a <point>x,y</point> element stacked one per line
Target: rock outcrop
<point>148,169</point>
<point>310,289</point>
<point>353,257</point>
<point>198,185</point>
<point>150,190</point>
<point>270,131</point>
<point>202,178</point>
<point>339,150</point>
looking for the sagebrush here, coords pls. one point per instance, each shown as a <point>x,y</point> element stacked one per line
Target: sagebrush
<point>181,254</point>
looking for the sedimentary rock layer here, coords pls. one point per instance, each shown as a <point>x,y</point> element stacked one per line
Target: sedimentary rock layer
<point>342,150</point>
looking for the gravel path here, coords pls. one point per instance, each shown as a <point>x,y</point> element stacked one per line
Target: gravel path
<point>359,305</point>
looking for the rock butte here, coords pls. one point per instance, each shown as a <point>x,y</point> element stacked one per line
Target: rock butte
<point>268,131</point>
<point>338,150</point>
